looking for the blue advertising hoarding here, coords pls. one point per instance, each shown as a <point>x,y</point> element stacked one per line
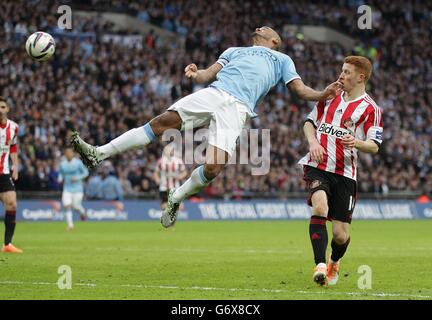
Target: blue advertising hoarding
<point>137,210</point>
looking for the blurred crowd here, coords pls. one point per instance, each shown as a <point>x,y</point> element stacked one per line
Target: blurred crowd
<point>104,89</point>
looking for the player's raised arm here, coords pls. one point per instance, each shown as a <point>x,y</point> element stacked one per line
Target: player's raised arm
<point>307,93</point>
<point>202,75</point>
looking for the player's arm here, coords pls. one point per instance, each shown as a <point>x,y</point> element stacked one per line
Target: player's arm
<point>307,93</point>
<point>156,177</point>
<point>15,163</point>
<point>202,75</point>
<point>316,150</point>
<point>373,130</point>
<point>368,146</point>
<point>83,173</point>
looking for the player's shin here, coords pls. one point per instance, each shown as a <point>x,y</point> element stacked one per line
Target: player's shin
<point>132,139</point>
<point>196,182</point>
<point>9,222</point>
<point>69,219</point>
<point>319,237</point>
<point>338,250</point>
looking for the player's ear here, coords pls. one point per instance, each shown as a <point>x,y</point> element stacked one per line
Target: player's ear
<point>275,43</point>
<point>361,77</point>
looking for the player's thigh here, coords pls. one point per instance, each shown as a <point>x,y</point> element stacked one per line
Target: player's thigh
<point>343,200</point>
<point>226,126</point>
<point>8,199</point>
<point>67,199</point>
<point>77,198</point>
<point>196,109</point>
<point>319,193</point>
<point>319,202</point>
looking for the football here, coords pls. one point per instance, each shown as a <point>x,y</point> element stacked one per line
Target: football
<point>40,46</point>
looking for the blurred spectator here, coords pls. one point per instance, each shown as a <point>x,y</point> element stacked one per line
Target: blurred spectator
<point>111,187</point>
<point>93,187</point>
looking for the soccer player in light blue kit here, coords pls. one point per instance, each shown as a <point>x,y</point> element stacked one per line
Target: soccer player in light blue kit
<point>239,79</point>
<point>72,173</point>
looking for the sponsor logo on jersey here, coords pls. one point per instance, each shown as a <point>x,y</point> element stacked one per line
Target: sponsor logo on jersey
<point>332,130</point>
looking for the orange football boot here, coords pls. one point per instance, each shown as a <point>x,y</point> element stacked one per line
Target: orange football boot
<point>11,248</point>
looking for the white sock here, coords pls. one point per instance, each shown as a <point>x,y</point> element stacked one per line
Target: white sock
<point>134,138</point>
<point>80,209</point>
<point>69,218</point>
<point>196,182</point>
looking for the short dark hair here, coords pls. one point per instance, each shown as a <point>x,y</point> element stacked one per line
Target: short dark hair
<point>3,99</point>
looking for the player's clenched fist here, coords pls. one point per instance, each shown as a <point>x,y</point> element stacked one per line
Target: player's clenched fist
<point>191,71</point>
<point>348,141</point>
<point>317,152</point>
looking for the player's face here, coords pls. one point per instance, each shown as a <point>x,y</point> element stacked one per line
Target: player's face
<point>4,109</point>
<point>349,77</point>
<point>268,35</point>
<point>69,154</point>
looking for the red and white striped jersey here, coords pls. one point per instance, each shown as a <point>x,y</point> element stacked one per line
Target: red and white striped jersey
<point>169,169</point>
<point>333,119</point>
<point>8,144</point>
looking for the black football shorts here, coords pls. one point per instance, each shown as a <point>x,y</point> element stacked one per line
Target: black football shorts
<point>341,192</point>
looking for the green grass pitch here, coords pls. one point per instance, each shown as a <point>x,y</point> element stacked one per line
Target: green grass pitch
<point>212,260</point>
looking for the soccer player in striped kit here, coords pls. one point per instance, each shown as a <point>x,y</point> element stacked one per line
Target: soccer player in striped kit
<point>335,130</point>
<point>169,173</point>
<point>9,147</point>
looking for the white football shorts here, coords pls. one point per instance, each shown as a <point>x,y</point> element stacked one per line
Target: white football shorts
<point>224,114</point>
<point>73,199</point>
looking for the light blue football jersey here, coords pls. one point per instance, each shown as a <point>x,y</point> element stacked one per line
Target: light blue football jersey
<point>74,168</point>
<point>249,73</point>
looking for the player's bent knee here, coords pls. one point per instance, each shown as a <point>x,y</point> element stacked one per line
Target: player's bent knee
<point>165,121</point>
<point>212,170</point>
<point>11,206</point>
<point>340,237</point>
<point>320,209</point>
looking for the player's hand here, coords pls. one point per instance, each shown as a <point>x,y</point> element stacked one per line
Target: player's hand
<point>74,179</point>
<point>191,71</point>
<point>317,152</point>
<point>15,174</point>
<point>348,141</point>
<point>332,90</point>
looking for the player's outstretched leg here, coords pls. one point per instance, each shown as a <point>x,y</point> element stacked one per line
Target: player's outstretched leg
<point>132,139</point>
<point>199,179</point>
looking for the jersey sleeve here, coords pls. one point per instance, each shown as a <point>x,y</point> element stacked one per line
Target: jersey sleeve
<point>317,113</point>
<point>289,72</point>
<point>226,56</point>
<point>373,127</point>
